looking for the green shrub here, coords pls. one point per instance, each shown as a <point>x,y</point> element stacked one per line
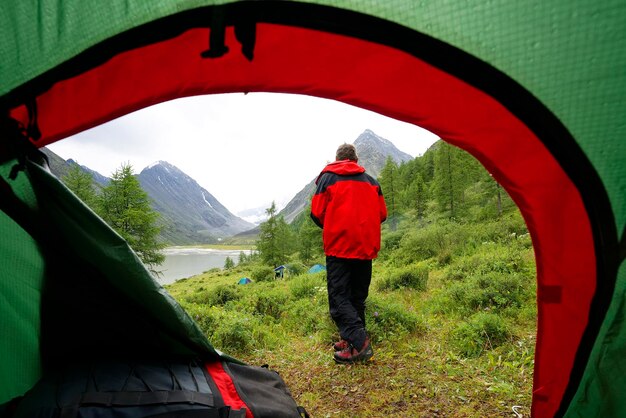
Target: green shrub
<point>294,269</point>
<point>270,303</point>
<point>481,332</point>
<point>305,286</point>
<point>491,291</point>
<point>413,277</point>
<point>204,316</point>
<point>217,296</point>
<point>490,258</point>
<point>504,230</point>
<point>439,239</point>
<point>237,334</point>
<point>390,242</point>
<point>262,274</point>
<point>386,319</point>
<point>310,316</point>
<point>444,257</point>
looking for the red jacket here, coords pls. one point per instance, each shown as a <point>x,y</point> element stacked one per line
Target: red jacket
<point>349,205</point>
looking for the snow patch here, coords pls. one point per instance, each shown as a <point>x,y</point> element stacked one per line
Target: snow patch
<point>207,202</point>
<point>255,219</point>
<point>160,163</point>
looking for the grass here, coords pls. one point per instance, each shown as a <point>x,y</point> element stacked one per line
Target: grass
<point>459,344</point>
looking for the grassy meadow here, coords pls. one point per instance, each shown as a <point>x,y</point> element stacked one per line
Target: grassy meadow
<point>451,313</point>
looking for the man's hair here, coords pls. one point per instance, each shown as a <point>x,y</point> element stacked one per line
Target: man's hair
<point>346,152</point>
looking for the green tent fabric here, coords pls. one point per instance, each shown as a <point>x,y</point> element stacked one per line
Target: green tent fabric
<point>535,90</point>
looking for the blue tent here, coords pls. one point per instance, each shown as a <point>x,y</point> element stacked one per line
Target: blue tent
<point>244,280</point>
<point>279,271</point>
<point>317,268</point>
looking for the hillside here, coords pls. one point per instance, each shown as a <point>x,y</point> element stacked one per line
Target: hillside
<point>60,167</point>
<point>190,213</point>
<point>372,150</point>
<point>453,327</point>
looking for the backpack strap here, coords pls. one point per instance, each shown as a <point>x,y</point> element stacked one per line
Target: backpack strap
<point>135,398</point>
<point>226,387</point>
<point>113,399</point>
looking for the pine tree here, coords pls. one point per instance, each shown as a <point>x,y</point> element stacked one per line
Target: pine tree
<point>269,244</point>
<point>494,194</point>
<point>228,263</point>
<point>416,196</point>
<point>81,183</point>
<point>126,208</point>
<point>427,163</point>
<point>286,240</point>
<point>389,184</point>
<point>455,170</point>
<point>310,238</point>
<point>447,181</point>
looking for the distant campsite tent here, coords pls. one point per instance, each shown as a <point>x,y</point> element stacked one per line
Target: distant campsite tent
<point>244,280</point>
<point>536,91</point>
<point>317,268</point>
<point>279,271</point>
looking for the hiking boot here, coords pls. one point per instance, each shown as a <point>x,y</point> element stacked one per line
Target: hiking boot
<point>352,355</point>
<point>341,345</point>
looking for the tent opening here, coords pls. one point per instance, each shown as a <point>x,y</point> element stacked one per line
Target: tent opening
<point>375,64</point>
<point>201,121</point>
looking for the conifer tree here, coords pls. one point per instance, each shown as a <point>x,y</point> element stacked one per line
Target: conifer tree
<point>269,244</point>
<point>389,184</point>
<point>494,194</point>
<point>80,183</point>
<point>447,181</point>
<point>228,263</point>
<point>286,242</point>
<point>310,238</point>
<point>416,196</point>
<point>455,170</point>
<point>126,208</point>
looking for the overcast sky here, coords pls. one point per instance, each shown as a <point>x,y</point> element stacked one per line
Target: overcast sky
<point>246,150</point>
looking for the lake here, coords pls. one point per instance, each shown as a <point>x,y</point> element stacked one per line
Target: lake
<point>181,262</point>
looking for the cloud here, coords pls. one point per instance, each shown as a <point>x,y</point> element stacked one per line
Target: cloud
<point>246,150</point>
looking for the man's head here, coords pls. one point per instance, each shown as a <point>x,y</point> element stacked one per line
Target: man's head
<point>346,152</point>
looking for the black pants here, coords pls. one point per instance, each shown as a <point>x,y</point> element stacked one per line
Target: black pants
<point>348,282</point>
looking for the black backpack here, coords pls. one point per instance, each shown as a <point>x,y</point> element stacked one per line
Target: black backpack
<point>157,389</point>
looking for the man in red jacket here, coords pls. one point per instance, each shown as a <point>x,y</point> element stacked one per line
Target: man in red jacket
<point>349,205</point>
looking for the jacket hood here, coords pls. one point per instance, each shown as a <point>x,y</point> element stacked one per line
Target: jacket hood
<point>342,168</point>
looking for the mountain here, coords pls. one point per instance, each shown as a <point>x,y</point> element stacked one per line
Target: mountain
<point>190,213</point>
<point>58,165</point>
<point>97,177</point>
<point>255,215</point>
<point>61,167</point>
<point>372,150</point>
